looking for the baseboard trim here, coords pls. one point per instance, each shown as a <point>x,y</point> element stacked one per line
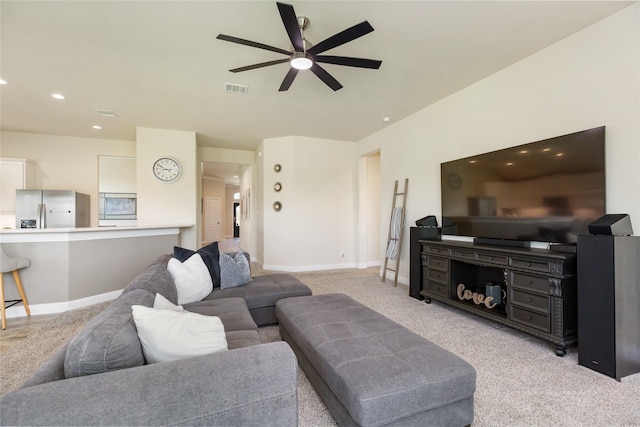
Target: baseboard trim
<point>60,307</point>
<point>303,268</point>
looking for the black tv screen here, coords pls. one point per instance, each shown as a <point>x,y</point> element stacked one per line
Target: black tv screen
<point>545,191</point>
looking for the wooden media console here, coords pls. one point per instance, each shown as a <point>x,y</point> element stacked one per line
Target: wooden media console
<point>537,287</point>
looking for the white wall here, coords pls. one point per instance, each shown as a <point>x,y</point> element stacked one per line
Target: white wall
<point>169,203</point>
<point>590,79</point>
<point>65,162</point>
<point>317,224</point>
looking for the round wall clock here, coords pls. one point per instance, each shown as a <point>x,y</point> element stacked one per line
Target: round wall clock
<point>167,169</point>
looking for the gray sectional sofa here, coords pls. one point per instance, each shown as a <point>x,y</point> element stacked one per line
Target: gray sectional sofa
<point>101,378</point>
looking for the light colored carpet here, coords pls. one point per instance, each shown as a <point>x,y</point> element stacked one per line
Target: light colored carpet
<point>521,382</point>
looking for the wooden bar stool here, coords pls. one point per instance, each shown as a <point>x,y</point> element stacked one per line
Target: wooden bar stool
<point>12,265</point>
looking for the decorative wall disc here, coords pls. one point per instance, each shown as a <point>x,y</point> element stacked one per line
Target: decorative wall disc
<point>277,187</point>
<point>277,206</point>
<point>277,167</point>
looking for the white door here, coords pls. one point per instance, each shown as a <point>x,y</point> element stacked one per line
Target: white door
<point>212,219</point>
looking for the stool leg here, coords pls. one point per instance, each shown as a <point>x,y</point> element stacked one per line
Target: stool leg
<point>16,277</point>
<point>4,316</point>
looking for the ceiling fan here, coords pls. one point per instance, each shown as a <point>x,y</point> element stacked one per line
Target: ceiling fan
<point>303,55</point>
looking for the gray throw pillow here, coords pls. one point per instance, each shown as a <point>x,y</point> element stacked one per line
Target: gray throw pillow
<point>234,271</point>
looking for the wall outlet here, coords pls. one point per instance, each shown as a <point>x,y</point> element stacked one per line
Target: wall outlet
<point>341,254</point>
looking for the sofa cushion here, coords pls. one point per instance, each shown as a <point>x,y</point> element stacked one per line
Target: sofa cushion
<point>265,291</point>
<point>239,326</point>
<point>191,278</point>
<point>168,335</point>
<point>239,339</point>
<point>234,271</point>
<point>209,254</point>
<point>109,341</point>
<point>156,279</point>
<point>232,311</point>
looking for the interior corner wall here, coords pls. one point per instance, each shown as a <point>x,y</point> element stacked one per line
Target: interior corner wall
<point>173,203</point>
<point>316,227</point>
<point>374,238</point>
<point>589,79</point>
<point>253,177</point>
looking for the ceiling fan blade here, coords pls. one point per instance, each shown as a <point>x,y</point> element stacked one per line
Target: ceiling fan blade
<point>290,21</point>
<point>288,79</point>
<point>260,65</point>
<point>349,62</point>
<point>252,44</point>
<point>325,77</point>
<point>342,37</point>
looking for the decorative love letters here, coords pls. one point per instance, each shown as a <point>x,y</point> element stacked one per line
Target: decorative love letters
<point>477,298</point>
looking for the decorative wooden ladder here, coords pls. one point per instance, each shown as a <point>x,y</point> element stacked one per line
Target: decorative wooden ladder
<point>396,229</point>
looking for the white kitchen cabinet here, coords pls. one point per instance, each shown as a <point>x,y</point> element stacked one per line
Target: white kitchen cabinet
<point>15,174</point>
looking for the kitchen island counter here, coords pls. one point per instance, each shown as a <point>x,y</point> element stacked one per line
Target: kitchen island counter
<point>75,267</point>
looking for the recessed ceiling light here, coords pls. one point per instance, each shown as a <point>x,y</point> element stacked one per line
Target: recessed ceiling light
<point>57,96</point>
<point>96,127</point>
<point>2,82</point>
<point>524,151</point>
<point>559,154</point>
<point>509,163</point>
<point>386,119</point>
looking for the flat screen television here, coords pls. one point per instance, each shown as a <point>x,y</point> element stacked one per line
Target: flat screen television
<point>544,191</point>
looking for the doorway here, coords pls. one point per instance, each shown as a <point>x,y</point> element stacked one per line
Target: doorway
<point>236,220</point>
<point>211,219</point>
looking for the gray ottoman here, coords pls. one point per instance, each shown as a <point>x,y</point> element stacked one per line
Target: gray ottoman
<point>371,371</point>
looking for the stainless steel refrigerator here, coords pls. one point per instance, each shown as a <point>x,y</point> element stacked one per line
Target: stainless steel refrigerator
<point>52,209</point>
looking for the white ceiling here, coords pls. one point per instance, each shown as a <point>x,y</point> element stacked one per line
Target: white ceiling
<point>158,63</point>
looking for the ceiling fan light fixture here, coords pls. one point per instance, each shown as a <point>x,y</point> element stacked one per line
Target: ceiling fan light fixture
<point>301,61</point>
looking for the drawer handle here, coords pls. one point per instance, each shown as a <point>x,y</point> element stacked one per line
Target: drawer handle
<point>529,317</point>
<point>529,299</point>
<point>528,264</point>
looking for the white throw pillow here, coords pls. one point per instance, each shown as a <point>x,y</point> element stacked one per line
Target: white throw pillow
<point>168,335</point>
<point>192,279</point>
<point>161,303</point>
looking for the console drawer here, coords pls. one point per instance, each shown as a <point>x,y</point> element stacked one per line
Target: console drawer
<point>530,265</point>
<point>437,250</point>
<point>494,259</point>
<point>534,283</point>
<point>438,276</point>
<point>439,263</point>
<point>438,288</point>
<point>458,253</point>
<point>526,299</point>
<point>530,318</point>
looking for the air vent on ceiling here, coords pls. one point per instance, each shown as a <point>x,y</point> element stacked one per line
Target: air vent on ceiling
<point>235,88</point>
<point>106,113</point>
